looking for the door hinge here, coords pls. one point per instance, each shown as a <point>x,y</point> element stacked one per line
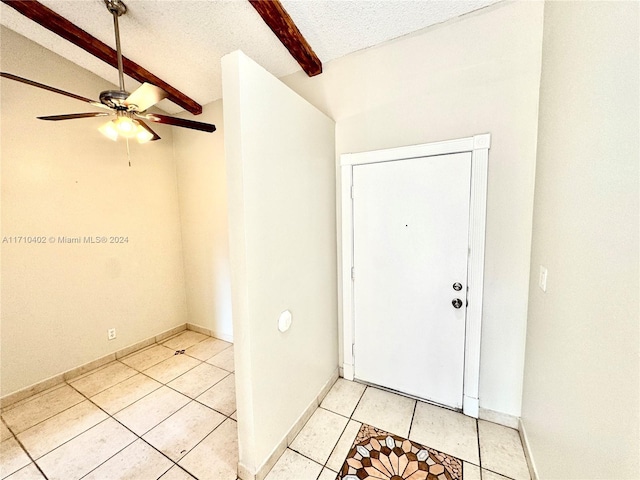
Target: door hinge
<point>353,273</point>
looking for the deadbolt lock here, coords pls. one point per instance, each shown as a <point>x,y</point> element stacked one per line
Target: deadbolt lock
<point>456,302</point>
<point>457,286</point>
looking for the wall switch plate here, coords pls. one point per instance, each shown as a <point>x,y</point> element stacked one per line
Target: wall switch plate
<point>542,279</point>
<point>111,333</point>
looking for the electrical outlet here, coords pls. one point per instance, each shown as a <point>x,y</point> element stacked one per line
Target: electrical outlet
<point>111,333</point>
<point>542,279</point>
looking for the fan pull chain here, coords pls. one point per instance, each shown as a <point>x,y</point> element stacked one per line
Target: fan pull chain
<point>128,152</point>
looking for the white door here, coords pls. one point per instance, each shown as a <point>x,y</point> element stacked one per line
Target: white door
<point>410,227</point>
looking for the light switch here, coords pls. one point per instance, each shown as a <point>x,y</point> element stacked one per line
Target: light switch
<point>542,279</point>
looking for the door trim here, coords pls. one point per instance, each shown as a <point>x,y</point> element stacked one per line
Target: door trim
<point>479,146</point>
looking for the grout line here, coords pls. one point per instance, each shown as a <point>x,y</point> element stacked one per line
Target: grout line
<point>25,451</point>
<point>139,437</point>
<point>48,418</point>
<point>413,415</point>
<point>110,416</point>
<point>358,402</point>
<point>502,475</point>
<point>305,456</point>
<point>336,444</point>
<point>70,383</point>
<point>478,440</point>
<point>196,445</point>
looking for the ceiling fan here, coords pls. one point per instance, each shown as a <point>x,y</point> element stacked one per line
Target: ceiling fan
<point>128,109</point>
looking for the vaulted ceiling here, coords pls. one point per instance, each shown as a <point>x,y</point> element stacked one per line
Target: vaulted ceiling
<point>182,41</point>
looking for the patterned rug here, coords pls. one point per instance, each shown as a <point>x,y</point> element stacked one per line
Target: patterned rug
<point>378,455</point>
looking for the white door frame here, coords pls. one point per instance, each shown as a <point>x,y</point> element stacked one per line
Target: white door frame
<point>478,145</point>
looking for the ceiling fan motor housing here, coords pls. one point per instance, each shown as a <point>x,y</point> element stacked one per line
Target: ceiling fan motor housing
<point>115,99</point>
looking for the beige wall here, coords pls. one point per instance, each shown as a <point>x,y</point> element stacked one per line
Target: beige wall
<point>280,168</point>
<point>66,179</point>
<point>580,402</point>
<point>474,75</point>
<point>202,188</point>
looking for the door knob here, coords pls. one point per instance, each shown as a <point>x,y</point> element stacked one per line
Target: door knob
<point>456,302</point>
<point>457,286</point>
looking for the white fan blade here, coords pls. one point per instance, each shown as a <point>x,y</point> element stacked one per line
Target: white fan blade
<point>145,96</point>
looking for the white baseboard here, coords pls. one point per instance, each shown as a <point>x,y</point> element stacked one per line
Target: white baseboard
<point>212,333</point>
<point>245,473</point>
<point>533,471</point>
<point>60,378</point>
<point>498,417</point>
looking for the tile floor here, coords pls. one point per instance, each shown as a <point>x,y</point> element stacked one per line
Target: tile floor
<point>156,414</point>
<point>484,450</point>
<point>153,414</point>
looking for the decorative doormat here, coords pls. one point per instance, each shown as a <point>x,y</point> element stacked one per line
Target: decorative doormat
<point>379,455</point>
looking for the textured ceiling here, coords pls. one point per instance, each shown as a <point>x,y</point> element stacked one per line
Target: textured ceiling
<point>182,41</point>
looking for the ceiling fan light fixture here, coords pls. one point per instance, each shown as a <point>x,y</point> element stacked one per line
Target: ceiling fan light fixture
<point>125,106</point>
<point>143,135</point>
<point>109,130</point>
<point>126,126</point>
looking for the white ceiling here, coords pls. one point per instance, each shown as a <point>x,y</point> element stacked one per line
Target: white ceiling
<point>182,41</point>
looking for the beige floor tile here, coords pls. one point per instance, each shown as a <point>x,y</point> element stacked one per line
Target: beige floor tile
<point>12,457</point>
<point>183,430</point>
<point>176,473</point>
<point>293,466</point>
<point>343,397</point>
<point>149,411</point>
<point>216,457</point>
<point>206,349</point>
<point>87,451</point>
<point>501,451</point>
<point>445,430</point>
<point>222,396</point>
<point>489,475</point>
<point>125,393</point>
<point>223,360</point>
<point>103,378</point>
<point>53,432</point>
<point>328,474</point>
<point>320,435</point>
<point>343,446</point>
<point>470,471</point>
<point>171,368</point>
<point>5,433</point>
<point>184,340</point>
<point>385,410</point>
<point>137,461</point>
<point>198,380</point>
<point>30,472</point>
<point>148,357</point>
<point>45,405</point>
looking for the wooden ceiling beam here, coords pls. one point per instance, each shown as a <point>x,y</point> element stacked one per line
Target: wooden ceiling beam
<point>280,23</point>
<point>50,20</point>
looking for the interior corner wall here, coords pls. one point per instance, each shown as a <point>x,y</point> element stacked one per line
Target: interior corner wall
<point>64,180</point>
<point>280,157</point>
<point>202,191</point>
<point>582,377</point>
<point>476,74</point>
